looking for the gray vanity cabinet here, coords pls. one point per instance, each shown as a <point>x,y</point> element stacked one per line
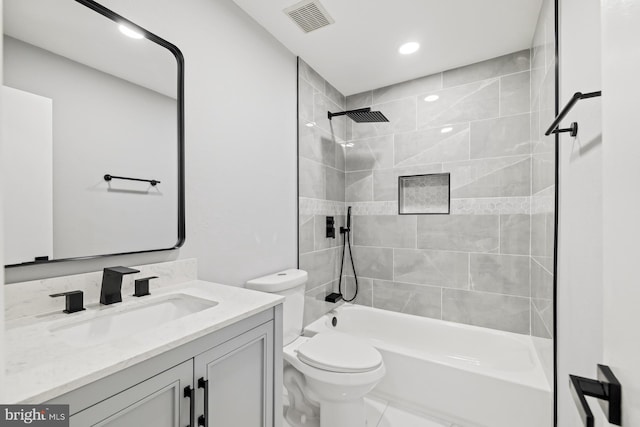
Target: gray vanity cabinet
<point>238,369</point>
<point>237,377</point>
<point>157,402</point>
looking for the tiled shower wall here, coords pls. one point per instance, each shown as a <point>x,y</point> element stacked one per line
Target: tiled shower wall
<point>543,173</point>
<point>321,186</point>
<point>472,266</point>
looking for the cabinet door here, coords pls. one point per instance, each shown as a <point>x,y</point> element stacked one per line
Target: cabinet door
<point>158,402</point>
<point>239,375</point>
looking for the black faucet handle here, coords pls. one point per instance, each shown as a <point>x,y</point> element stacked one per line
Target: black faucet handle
<point>121,270</point>
<point>142,286</point>
<point>74,300</point>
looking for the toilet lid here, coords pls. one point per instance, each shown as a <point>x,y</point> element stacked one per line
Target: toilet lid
<point>338,352</point>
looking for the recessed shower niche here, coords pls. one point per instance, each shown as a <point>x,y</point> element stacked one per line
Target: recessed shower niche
<point>424,194</point>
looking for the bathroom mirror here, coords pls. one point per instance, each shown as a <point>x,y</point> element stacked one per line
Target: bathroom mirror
<point>93,131</point>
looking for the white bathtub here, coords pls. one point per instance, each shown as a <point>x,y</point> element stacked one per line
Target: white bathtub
<point>465,374</point>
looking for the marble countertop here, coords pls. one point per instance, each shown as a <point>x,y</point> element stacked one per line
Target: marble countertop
<point>40,366</point>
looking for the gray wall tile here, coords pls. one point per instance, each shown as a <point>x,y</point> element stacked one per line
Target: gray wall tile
<point>514,94</point>
<point>314,304</point>
<point>543,171</point>
<point>322,266</point>
<point>538,235</point>
<point>375,263</point>
<point>408,298</point>
<point>321,176</point>
<point>487,155</point>
<point>385,181</point>
<point>311,179</point>
<point>541,282</point>
<point>436,268</point>
<point>306,234</point>
<point>317,145</point>
<point>360,100</point>
<point>305,101</point>
<point>408,88</point>
<point>391,231</point>
<point>503,312</point>
<point>310,75</point>
<point>402,118</point>
<point>544,309</point>
<point>507,64</point>
<point>359,186</point>
<point>340,156</point>
<point>513,180</point>
<point>475,233</point>
<point>335,184</point>
<point>432,146</point>
<point>365,290</point>
<point>502,274</point>
<point>505,136</point>
<point>336,127</point>
<point>515,234</point>
<point>538,328</point>
<point>334,95</point>
<point>474,101</point>
<point>371,153</point>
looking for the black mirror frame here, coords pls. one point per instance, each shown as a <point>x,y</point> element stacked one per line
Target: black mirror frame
<point>118,19</point>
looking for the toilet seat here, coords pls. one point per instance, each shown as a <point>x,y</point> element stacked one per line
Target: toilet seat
<point>339,352</point>
<point>290,354</point>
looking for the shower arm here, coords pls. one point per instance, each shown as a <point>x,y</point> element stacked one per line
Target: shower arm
<point>330,115</point>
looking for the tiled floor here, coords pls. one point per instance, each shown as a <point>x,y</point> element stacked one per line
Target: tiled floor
<point>384,414</point>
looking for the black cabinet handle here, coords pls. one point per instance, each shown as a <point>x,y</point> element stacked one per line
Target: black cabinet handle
<point>607,388</point>
<point>203,420</point>
<point>189,393</point>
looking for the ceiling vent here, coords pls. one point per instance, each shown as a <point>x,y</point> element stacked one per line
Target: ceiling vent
<point>309,15</point>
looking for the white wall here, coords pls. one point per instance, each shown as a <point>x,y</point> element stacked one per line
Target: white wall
<point>621,152</point>
<point>240,142</point>
<point>579,289</point>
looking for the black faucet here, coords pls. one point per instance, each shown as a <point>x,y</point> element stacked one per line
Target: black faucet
<point>110,292</point>
<point>74,301</point>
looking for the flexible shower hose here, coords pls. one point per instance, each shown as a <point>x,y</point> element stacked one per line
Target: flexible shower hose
<point>347,242</point>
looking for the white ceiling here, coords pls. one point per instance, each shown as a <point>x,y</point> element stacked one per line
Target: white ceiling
<point>360,51</point>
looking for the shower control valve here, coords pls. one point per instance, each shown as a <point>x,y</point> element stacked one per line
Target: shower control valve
<point>331,228</point>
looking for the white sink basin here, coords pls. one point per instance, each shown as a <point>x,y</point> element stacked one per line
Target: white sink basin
<point>125,320</point>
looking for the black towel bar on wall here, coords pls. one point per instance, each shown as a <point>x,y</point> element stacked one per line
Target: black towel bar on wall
<point>573,129</point>
<point>153,182</point>
<point>606,388</point>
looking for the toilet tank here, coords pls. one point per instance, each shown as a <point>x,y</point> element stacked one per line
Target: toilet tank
<point>289,284</point>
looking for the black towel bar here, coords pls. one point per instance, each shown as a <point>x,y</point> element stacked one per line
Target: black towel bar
<point>607,388</point>
<point>153,182</point>
<point>573,129</point>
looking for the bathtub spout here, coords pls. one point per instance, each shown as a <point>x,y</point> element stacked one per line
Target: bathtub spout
<point>301,412</point>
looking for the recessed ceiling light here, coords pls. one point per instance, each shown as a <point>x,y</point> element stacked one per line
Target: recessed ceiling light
<point>409,48</point>
<point>347,144</point>
<point>310,124</point>
<point>446,129</point>
<point>130,33</point>
<point>431,98</point>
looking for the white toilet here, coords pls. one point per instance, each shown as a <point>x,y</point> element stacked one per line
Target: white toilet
<point>327,375</point>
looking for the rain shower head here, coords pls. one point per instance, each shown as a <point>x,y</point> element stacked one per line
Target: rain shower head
<point>362,115</point>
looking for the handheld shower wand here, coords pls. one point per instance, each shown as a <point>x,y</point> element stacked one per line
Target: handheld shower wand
<point>346,232</point>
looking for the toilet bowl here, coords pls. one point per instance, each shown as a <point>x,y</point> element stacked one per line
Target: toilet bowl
<point>327,374</point>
